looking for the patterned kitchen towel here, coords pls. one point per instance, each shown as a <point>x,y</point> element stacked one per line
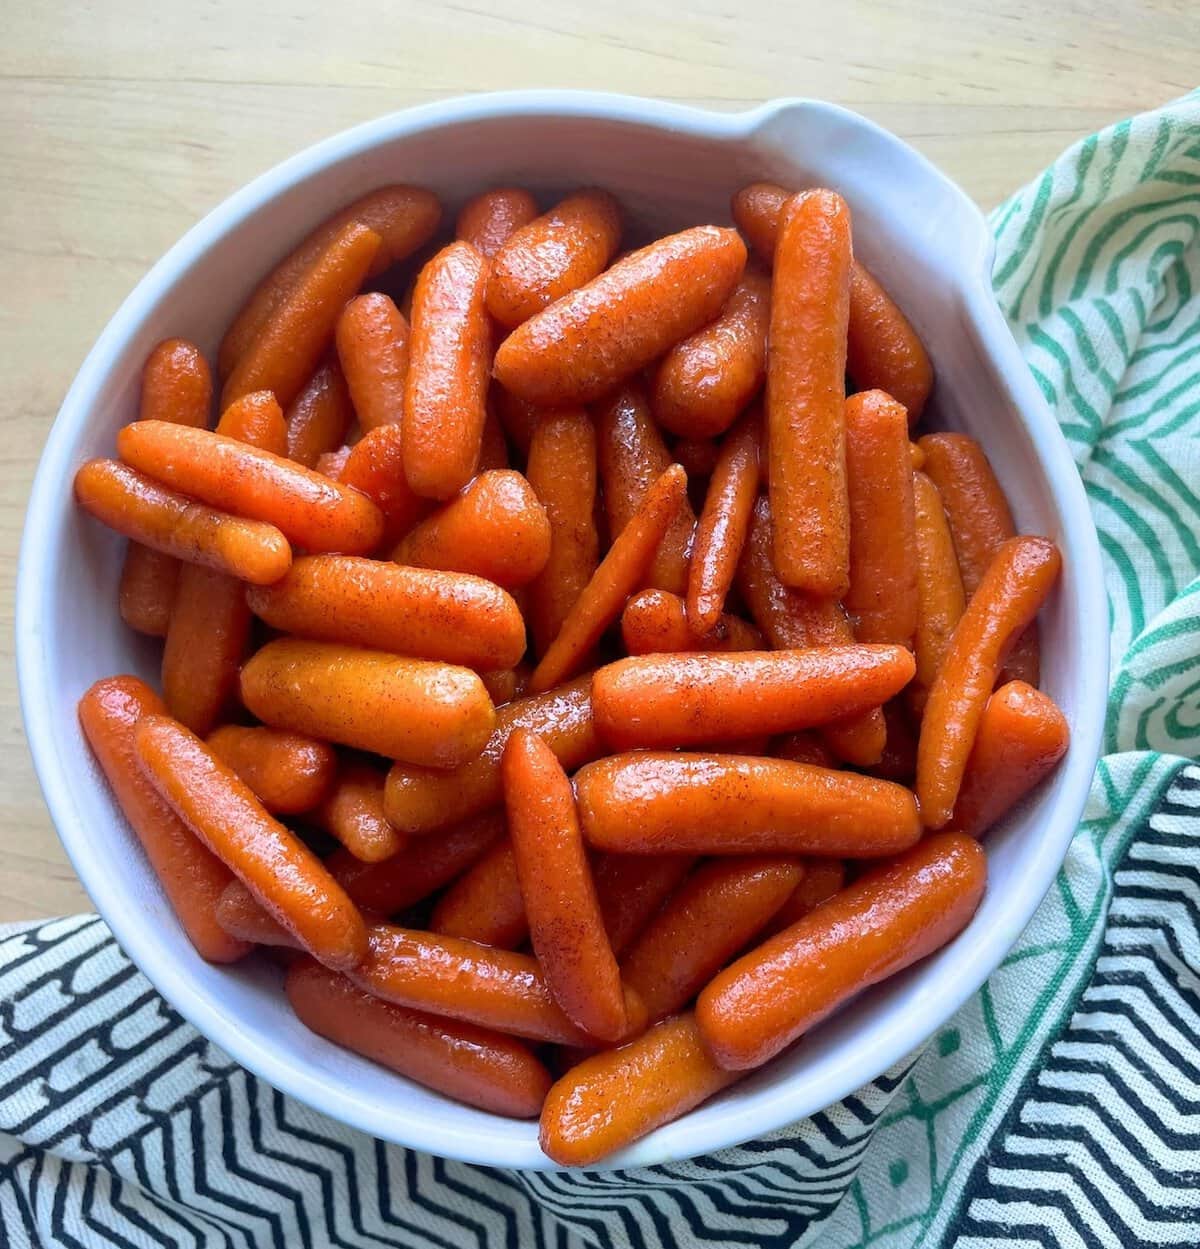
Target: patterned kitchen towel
<point>1060,1107</point>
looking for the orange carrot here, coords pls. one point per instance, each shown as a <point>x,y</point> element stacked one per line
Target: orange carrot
<point>757,210</point>
<point>192,877</point>
<point>565,924</point>
<point>240,915</point>
<point>255,419</point>
<point>282,873</point>
<point>554,254</point>
<point>821,880</point>
<point>375,466</point>
<point>147,590</point>
<point>594,338</point>
<point>445,398</point>
<point>619,574</point>
<point>734,804</point>
<point>421,612</point>
<point>883,559</point>
<point>434,714</point>
<point>494,528</point>
<point>940,597</point>
<point>286,772</point>
<point>353,813</point>
<point>485,903</point>
<point>724,523</point>
<point>655,621</point>
<point>505,684</point>
<point>887,920</point>
<point>489,220</point>
<point>332,464</point>
<point>1014,587</point>
<point>469,1064</point>
<point>916,457</point>
<point>372,346</point>
<point>631,888</point>
<point>319,416</point>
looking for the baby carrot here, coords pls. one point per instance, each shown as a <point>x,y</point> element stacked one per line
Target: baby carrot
<point>706,380</point>
<point>255,419</point>
<point>282,873</point>
<point>697,455</point>
<point>735,804</point>
<point>192,877</point>
<point>286,772</point>
<point>466,1063</point>
<point>319,416</point>
<point>372,346</point>
<point>240,915</point>
<point>882,597</point>
<point>565,925</point>
<point>554,254</point>
<point>1022,735</point>
<point>421,612</point>
<point>133,504</point>
<point>632,458</point>
<point>631,888</point>
<point>722,906</point>
<point>292,340</point>
<point>655,621</point>
<point>375,466</point>
<point>1014,587</point>
<point>332,464</point>
<point>822,878</point>
<point>403,217</point>
<point>310,509</point>
<point>446,393</point>
<point>505,684</point>
<point>485,904</point>
<point>616,1097</point>
<point>681,700</point>
<point>434,714</point>
<point>495,528</point>
<point>597,336</point>
<point>147,590</point>
<point>489,220</point>
<point>810,303</point>
<point>352,812</point>
<point>940,597</point>
<point>916,457</point>
<point>757,210</point>
<point>420,799</point>
<point>887,920</point>
<point>724,523</point>
<point>619,574</point>
<point>562,472</point>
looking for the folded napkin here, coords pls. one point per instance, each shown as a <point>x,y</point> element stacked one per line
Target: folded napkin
<point>1061,1106</point>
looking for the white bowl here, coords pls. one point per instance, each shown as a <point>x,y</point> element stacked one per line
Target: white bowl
<point>670,167</point>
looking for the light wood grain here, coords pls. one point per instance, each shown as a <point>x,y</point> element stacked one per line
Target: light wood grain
<point>123,122</point>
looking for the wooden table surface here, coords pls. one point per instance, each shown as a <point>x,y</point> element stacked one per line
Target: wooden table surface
<point>122,123</point>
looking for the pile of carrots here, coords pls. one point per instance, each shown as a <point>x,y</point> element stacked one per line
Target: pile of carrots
<point>656,691</point>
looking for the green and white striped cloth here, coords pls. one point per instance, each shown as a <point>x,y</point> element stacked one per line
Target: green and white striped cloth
<point>1060,1107</point>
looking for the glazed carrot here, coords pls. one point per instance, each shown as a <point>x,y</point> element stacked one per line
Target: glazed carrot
<point>446,393</point>
<point>697,455</point>
<point>421,799</point>
<point>980,520</point>
<point>375,466</point>
<point>616,1097</point>
<point>505,684</point>
<point>916,457</point>
<point>810,303</point>
<point>681,700</point>
<point>518,418</point>
<point>710,918</point>
<point>310,509</point>
<point>434,714</point>
<point>723,525</point>
<point>489,220</point>
<point>192,877</point>
<point>464,980</point>
<point>282,873</point>
<point>493,449</point>
<point>632,458</point>
<point>791,619</point>
<point>757,210</point>
<point>1022,735</point>
<point>332,464</point>
<point>133,504</point>
<point>408,611</point>
<point>292,340</point>
<point>403,217</point>
<point>286,772</point>
<point>565,925</point>
<point>940,597</point>
<point>554,254</point>
<point>240,915</point>
<point>883,560</point>
<point>619,574</point>
<point>733,804</point>
<point>372,346</point>
<point>631,888</point>
<point>887,920</point>
<point>562,472</point>
<point>255,419</point>
<point>147,589</point>
<point>590,340</point>
<point>485,903</point>
<point>822,878</point>
<point>469,1064</point>
<point>803,747</point>
<point>319,416</point>
<point>655,621</point>
<point>1007,600</point>
<point>495,528</point>
<point>705,381</point>
<point>353,813</point>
